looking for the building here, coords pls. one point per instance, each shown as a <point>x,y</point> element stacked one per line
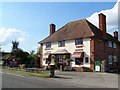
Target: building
<point>82,46</point>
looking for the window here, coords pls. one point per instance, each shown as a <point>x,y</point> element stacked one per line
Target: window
<point>86,60</point>
<point>114,45</point>
<point>110,43</point>
<point>48,45</point>
<point>115,58</point>
<point>61,43</point>
<point>78,61</point>
<point>78,41</point>
<point>110,59</point>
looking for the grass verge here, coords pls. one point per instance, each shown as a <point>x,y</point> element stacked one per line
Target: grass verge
<point>44,75</point>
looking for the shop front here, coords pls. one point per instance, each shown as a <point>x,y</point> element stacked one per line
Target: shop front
<point>62,59</point>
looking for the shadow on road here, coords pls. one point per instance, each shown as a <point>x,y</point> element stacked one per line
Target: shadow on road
<point>60,77</point>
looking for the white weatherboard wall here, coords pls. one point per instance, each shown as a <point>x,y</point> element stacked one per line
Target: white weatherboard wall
<point>70,47</point>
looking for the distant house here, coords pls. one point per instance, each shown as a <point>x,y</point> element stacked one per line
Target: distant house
<point>85,46</point>
<point>9,60</point>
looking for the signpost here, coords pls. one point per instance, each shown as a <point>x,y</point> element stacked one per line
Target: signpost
<point>52,66</point>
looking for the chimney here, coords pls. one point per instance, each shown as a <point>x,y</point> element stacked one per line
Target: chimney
<point>52,28</point>
<point>116,35</point>
<point>102,22</point>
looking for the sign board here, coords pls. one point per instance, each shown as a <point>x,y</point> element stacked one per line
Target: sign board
<point>97,68</point>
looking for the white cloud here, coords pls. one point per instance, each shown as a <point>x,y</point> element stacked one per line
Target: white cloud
<point>111,18</point>
<point>7,35</point>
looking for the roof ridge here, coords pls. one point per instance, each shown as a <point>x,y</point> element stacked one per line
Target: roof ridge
<point>77,20</point>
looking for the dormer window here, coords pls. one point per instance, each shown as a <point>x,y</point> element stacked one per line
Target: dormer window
<point>61,43</point>
<point>48,45</point>
<point>78,41</point>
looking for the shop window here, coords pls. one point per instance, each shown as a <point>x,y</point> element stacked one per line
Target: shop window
<point>86,60</point>
<point>61,43</point>
<point>48,45</point>
<point>78,61</point>
<point>78,41</point>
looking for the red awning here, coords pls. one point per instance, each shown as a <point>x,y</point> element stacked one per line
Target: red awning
<point>78,54</point>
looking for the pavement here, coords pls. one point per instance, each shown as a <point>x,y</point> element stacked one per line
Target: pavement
<point>73,80</point>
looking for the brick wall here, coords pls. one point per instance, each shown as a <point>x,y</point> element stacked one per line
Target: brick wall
<point>101,51</point>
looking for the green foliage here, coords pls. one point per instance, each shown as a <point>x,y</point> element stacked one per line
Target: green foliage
<point>22,55</point>
<point>29,59</point>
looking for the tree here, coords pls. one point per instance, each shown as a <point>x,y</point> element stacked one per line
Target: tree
<point>34,59</point>
<point>22,55</point>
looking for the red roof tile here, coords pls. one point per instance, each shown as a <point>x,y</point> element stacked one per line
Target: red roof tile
<point>78,29</point>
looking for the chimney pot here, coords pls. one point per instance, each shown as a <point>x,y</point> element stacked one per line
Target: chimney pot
<point>116,34</point>
<point>102,22</point>
<point>52,28</point>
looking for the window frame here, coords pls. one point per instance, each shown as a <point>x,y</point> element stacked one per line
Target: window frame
<point>110,59</point>
<point>114,58</point>
<point>114,45</point>
<point>79,41</point>
<point>78,59</point>
<point>61,43</point>
<point>48,45</point>
<point>110,44</point>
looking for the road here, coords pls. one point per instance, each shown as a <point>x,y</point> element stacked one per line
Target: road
<point>11,81</point>
<point>64,80</point>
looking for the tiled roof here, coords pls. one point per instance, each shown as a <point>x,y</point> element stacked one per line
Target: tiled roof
<point>77,29</point>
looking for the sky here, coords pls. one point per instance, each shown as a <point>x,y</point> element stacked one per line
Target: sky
<point>28,22</point>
